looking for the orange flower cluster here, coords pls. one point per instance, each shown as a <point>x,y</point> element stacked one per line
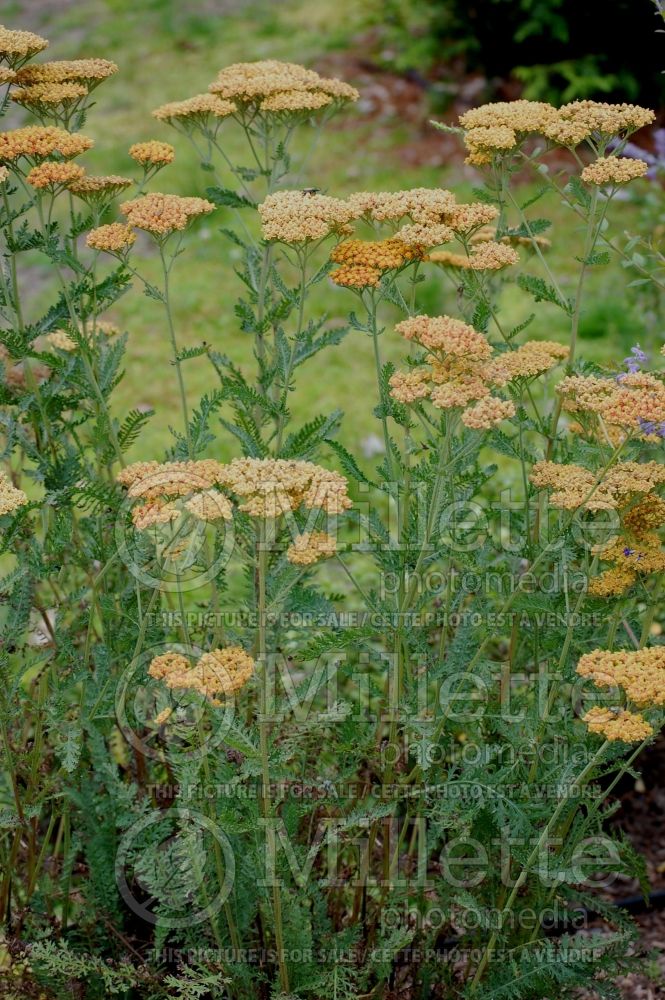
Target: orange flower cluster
<point>54,174</point>
<point>460,371</point>
<point>637,551</point>
<point>633,403</point>
<point>311,547</point>
<point>99,189</point>
<point>363,262</point>
<point>640,673</point>
<point>116,237</point>
<point>619,724</point>
<point>157,485</point>
<point>36,142</point>
<point>573,486</point>
<point>268,487</point>
<point>163,214</point>
<point>152,153</point>
<point>221,672</point>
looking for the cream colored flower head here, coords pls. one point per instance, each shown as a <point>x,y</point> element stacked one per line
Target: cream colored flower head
<point>299,217</point>
<point>271,487</point>
<point>87,71</point>
<point>46,96</point>
<point>10,497</point>
<point>198,109</point>
<point>266,84</point>
<point>17,46</point>
<point>613,170</point>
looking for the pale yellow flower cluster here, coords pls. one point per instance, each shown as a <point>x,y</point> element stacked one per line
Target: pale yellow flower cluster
<point>61,340</point>
<point>295,100</point>
<point>43,96</point>
<point>116,237</point>
<point>99,188</point>
<point>486,255</point>
<point>222,671</point>
<point>424,235</point>
<point>87,71</point>
<point>163,214</point>
<point>298,217</point>
<point>54,174</point>
<point>363,262</point>
<point>426,206</point>
<point>10,497</point>
<point>253,84</point>
<point>152,153</point>
<point>581,120</point>
<point>15,46</point>
<point>39,141</point>
<point>491,256</point>
<point>613,170</point>
<point>619,724</point>
<point>573,486</point>
<point>6,75</point>
<point>198,109</point>
<point>270,487</point>
<point>493,129</point>
<point>310,547</point>
<point>484,141</point>
<point>639,672</point>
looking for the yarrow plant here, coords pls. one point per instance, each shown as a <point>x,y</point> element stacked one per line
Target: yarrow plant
<point>273,722</point>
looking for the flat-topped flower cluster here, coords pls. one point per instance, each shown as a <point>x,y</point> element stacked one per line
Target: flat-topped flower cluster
<point>261,488</point>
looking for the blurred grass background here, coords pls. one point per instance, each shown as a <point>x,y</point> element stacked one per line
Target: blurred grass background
<point>167,51</point>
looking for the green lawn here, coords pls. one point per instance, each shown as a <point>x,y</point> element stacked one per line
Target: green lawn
<point>165,54</point>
